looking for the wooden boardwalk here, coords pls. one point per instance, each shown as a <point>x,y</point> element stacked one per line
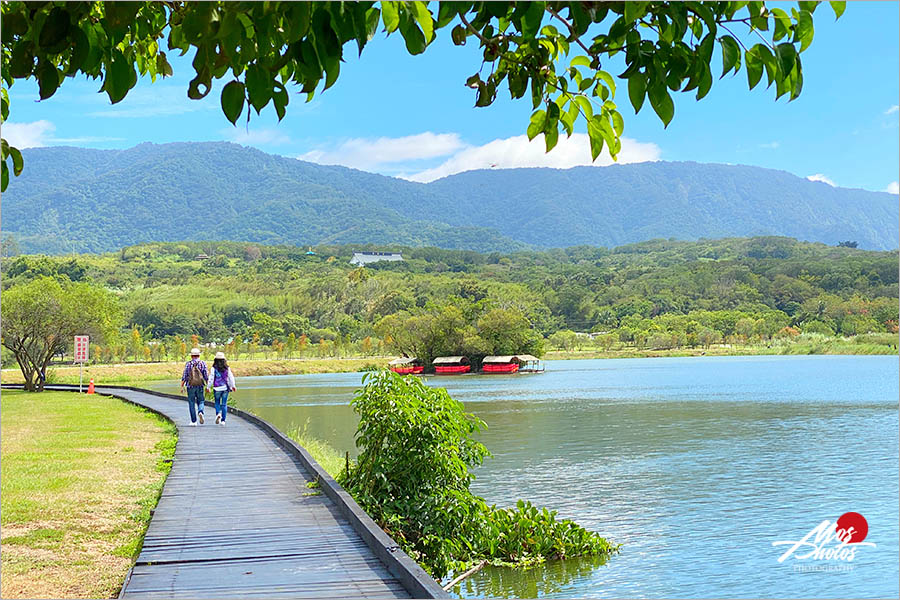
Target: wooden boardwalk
<point>236,519</point>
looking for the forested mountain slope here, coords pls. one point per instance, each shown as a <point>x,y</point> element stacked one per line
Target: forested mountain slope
<point>75,199</point>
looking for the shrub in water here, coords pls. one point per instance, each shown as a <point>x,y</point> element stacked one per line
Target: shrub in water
<point>412,476</point>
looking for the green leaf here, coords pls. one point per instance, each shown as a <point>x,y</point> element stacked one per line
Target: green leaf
<point>18,164</point>
<point>705,82</point>
<point>424,19</point>
<point>662,103</point>
<point>54,33</point>
<point>259,86</point>
<point>586,107</point>
<point>787,55</point>
<point>531,20</point>
<point>48,80</point>
<point>581,61</point>
<point>458,35</point>
<point>390,14</point>
<point>634,11</point>
<point>754,66</point>
<point>4,179</point>
<point>608,80</point>
<point>280,99</point>
<point>758,19</point>
<point>550,138</point>
<point>637,88</point>
<point>233,100</point>
<point>731,54</point>
<point>536,126</point>
<point>162,65</point>
<point>412,35</point>
<point>595,135</point>
<point>782,23</point>
<point>804,31</point>
<point>332,70</point>
<point>838,8</point>
<point>618,122</point>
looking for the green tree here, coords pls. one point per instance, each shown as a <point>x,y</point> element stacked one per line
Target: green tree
<point>507,331</point>
<point>41,317</point>
<point>548,52</point>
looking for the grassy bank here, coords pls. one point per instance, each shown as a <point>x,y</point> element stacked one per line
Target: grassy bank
<point>80,475</point>
<point>827,346</point>
<point>138,372</point>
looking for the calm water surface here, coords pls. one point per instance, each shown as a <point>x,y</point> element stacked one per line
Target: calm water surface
<point>695,465</point>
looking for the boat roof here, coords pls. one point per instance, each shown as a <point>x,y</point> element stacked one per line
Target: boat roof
<point>510,358</point>
<point>403,361</point>
<point>444,360</point>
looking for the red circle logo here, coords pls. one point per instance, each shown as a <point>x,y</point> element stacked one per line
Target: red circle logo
<point>860,528</point>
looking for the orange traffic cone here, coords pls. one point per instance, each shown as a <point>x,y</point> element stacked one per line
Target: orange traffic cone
<point>91,386</point>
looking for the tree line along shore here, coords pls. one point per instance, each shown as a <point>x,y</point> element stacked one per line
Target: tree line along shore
<point>267,306</point>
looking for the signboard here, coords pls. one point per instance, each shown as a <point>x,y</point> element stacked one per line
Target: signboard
<point>81,348</point>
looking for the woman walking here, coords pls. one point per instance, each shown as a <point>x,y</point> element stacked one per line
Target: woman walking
<point>221,383</point>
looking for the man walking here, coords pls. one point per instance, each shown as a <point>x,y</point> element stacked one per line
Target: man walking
<point>195,377</point>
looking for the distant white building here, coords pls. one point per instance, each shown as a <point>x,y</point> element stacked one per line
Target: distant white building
<point>364,258</point>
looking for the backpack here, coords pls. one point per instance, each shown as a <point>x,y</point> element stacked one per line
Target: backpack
<point>220,378</point>
<point>195,379</point>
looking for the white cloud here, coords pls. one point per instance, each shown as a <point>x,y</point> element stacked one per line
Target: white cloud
<point>822,178</point>
<point>40,133</point>
<point>770,145</point>
<point>519,152</point>
<point>368,154</point>
<point>255,137</point>
<point>28,135</point>
<point>893,188</point>
<point>892,109</point>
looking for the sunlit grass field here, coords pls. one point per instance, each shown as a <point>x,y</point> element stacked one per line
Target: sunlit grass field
<point>80,475</point>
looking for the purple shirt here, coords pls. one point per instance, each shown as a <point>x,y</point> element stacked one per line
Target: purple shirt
<point>186,376</point>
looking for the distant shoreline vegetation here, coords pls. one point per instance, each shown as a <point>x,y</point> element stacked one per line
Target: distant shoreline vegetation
<point>765,295</point>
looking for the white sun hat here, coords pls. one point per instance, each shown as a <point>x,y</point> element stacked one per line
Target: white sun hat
<point>220,355</point>
<point>195,351</point>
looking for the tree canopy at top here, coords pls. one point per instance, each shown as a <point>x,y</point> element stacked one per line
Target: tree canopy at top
<point>550,52</point>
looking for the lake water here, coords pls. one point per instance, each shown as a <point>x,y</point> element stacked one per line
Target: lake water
<point>695,465</point>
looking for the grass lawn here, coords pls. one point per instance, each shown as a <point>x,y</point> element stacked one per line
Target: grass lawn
<point>80,475</point>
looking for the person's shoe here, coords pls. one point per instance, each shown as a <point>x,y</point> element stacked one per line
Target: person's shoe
<point>223,422</point>
<point>218,419</point>
<point>200,417</point>
<point>193,424</point>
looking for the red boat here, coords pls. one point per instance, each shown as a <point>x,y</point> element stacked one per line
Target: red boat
<point>406,366</point>
<point>519,363</point>
<point>500,368</point>
<point>407,370</point>
<point>451,365</point>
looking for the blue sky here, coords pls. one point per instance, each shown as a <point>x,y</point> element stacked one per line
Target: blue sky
<point>412,116</point>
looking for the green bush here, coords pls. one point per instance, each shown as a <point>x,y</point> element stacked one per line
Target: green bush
<point>412,476</point>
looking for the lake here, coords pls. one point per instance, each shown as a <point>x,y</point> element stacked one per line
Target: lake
<point>696,465</point>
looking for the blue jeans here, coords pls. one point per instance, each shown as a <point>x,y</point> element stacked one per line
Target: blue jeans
<point>221,399</point>
<point>195,394</point>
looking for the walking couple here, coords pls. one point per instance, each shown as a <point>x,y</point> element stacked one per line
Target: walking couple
<point>196,376</point>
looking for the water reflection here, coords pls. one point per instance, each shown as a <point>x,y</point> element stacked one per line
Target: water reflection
<point>558,578</point>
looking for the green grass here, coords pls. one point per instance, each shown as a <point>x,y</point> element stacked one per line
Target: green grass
<point>330,459</point>
<point>80,475</point>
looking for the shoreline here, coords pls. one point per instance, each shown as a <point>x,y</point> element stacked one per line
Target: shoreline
<point>161,371</point>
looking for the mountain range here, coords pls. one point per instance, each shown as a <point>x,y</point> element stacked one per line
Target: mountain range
<point>84,200</point>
